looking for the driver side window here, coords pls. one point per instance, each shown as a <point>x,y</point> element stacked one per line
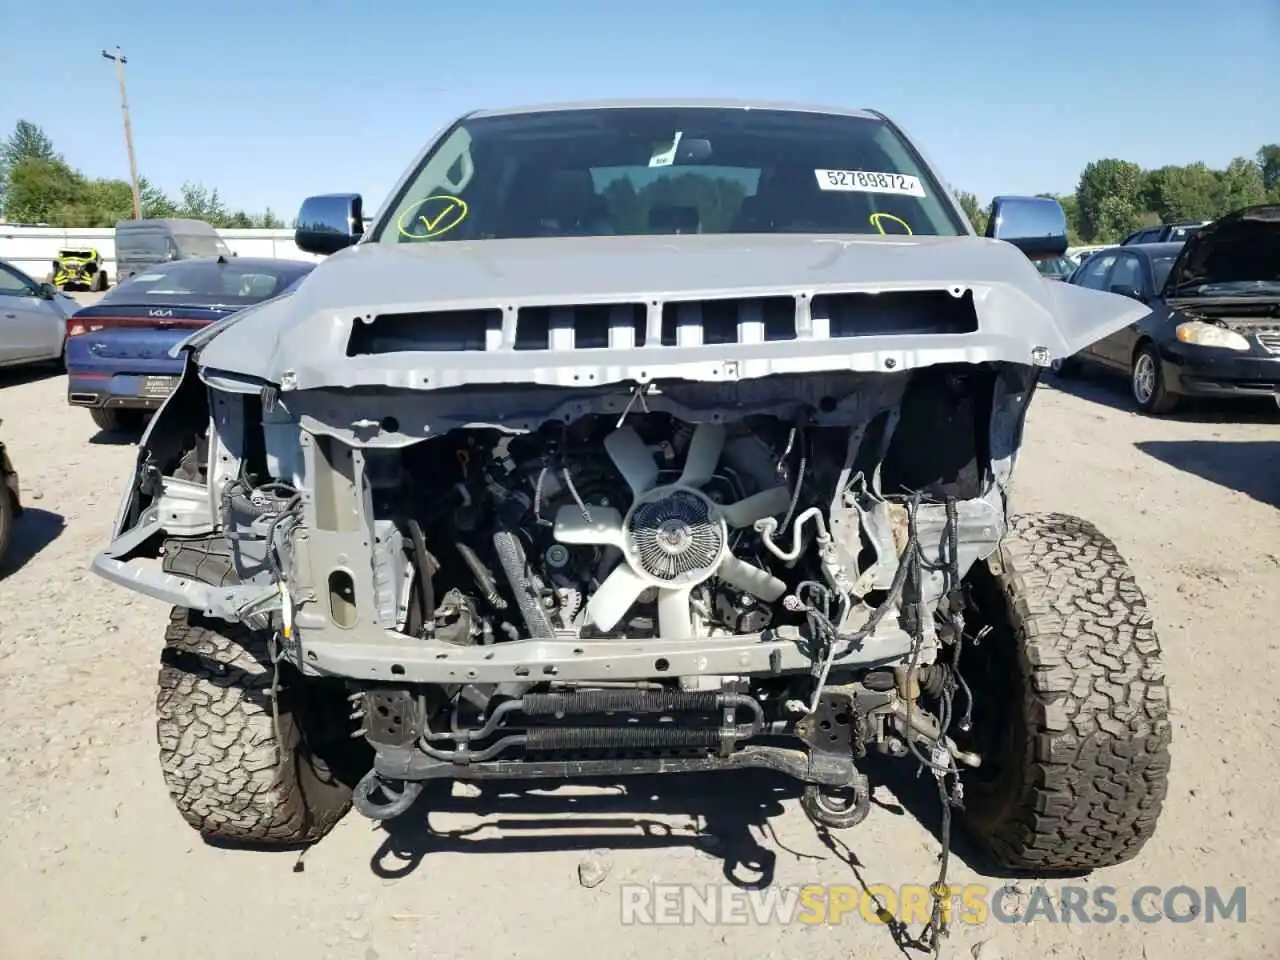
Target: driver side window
<point>13,285</point>
<point>1096,270</point>
<point>1127,273</point>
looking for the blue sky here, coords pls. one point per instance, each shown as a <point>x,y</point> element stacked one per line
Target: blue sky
<point>269,101</point>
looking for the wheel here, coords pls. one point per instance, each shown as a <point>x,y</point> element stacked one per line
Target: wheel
<point>1146,382</point>
<point>232,773</point>
<point>115,420</point>
<point>1065,367</point>
<point>1071,710</point>
<point>6,521</point>
<point>99,281</point>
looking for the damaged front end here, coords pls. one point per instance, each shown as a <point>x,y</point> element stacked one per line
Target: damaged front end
<point>678,564</point>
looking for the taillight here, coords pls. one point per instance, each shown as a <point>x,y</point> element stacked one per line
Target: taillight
<point>76,328</point>
<point>79,326</point>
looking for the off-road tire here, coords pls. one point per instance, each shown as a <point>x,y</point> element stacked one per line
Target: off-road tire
<point>1085,770</point>
<point>232,773</point>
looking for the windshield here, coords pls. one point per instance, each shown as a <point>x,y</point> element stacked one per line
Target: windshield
<point>202,245</point>
<point>1057,267</point>
<point>649,171</point>
<point>207,283</point>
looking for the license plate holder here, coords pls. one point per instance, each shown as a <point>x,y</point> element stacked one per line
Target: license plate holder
<point>158,387</point>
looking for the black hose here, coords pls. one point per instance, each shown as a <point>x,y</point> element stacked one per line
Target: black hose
<point>426,569</point>
<point>484,579</point>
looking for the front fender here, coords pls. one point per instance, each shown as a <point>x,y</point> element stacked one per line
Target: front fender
<point>172,429</point>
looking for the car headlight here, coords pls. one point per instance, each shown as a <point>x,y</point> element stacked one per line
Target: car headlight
<point>1210,335</point>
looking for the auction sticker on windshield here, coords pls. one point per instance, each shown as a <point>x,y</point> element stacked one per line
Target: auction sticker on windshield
<point>869,181</point>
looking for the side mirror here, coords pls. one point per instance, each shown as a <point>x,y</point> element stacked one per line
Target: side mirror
<point>1124,290</point>
<point>47,291</point>
<point>329,223</point>
<point>1035,225</point>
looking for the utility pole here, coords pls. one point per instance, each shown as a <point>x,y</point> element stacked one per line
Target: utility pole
<point>120,61</point>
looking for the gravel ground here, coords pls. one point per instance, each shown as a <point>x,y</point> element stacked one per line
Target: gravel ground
<point>94,862</point>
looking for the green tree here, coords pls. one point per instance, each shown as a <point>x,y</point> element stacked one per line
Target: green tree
<point>105,203</point>
<point>1109,199</point>
<point>26,142</point>
<point>42,191</point>
<point>1071,208</point>
<point>1269,168</point>
<point>1240,185</point>
<point>1190,192</point>
<point>974,210</point>
<point>155,202</point>
<point>267,220</point>
<point>197,202</point>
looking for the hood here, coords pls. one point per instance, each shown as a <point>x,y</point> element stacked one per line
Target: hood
<point>301,341</point>
<point>1242,246</point>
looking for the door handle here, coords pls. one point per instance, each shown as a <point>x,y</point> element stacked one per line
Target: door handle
<point>11,316</point>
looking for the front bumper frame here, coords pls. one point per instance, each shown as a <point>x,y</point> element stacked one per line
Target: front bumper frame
<point>372,653</point>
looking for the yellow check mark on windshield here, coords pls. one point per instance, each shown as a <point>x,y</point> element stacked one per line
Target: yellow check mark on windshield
<point>452,212</point>
<point>432,222</point>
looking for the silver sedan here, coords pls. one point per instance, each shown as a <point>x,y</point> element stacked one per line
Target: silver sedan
<point>33,318</point>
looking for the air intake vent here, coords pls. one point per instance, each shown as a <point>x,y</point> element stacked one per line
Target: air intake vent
<point>589,327</point>
<point>445,331</point>
<point>687,323</point>
<point>895,314</point>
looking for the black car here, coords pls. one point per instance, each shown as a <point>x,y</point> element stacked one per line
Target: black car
<point>1214,325</point>
<point>1179,232</point>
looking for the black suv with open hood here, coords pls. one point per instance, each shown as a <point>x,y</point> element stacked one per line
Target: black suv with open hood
<point>1214,326</point>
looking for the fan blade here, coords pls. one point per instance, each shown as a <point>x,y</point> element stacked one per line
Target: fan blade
<point>749,578</point>
<point>704,454</point>
<point>675,615</point>
<point>604,529</point>
<point>766,503</point>
<point>633,459</point>
<point>611,602</point>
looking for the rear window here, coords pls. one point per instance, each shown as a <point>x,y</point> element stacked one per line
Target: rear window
<point>206,283</point>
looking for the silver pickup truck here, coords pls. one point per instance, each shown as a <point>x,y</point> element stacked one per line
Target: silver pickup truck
<point>645,438</point>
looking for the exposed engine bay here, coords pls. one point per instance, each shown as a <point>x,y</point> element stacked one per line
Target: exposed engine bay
<point>701,584</point>
<point>649,526</point>
<point>655,528</point>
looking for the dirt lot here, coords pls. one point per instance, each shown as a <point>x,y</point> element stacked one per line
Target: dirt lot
<point>95,863</point>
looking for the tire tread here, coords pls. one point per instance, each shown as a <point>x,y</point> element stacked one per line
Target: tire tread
<point>1096,708</point>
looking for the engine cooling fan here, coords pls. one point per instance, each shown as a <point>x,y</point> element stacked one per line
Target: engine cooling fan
<point>674,537</point>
